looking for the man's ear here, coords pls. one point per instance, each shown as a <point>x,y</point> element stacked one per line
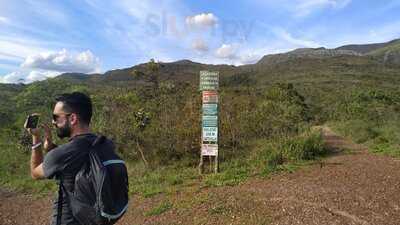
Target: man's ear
<point>74,119</point>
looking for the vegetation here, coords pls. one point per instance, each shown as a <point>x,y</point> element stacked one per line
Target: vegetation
<point>163,207</point>
<point>266,116</point>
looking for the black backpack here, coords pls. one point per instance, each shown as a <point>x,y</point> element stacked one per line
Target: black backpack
<point>100,193</point>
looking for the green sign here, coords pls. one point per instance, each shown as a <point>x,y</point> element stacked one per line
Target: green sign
<point>210,109</point>
<point>209,80</point>
<point>210,134</point>
<point>210,121</point>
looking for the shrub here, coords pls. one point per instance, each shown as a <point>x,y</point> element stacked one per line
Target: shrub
<point>307,146</point>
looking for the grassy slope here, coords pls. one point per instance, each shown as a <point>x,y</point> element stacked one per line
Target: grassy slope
<point>395,46</point>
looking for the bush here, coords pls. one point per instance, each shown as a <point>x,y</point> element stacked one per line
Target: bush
<point>358,130</point>
<point>307,146</point>
<point>271,154</point>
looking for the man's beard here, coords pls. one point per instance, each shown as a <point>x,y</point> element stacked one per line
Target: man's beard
<point>64,131</point>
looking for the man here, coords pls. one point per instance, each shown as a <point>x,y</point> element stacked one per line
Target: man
<point>71,117</point>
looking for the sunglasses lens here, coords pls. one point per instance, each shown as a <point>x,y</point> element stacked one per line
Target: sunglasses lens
<point>55,116</point>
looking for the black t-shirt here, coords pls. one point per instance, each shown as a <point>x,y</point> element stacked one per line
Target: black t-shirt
<point>66,160</point>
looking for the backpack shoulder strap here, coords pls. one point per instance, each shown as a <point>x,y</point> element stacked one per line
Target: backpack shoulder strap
<point>60,201</point>
<point>100,139</point>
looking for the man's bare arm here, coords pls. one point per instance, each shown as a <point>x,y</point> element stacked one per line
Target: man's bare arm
<point>37,171</point>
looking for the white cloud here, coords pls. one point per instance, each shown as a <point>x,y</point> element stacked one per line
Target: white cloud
<point>63,61</point>
<point>306,7</point>
<point>10,57</point>
<point>8,66</point>
<point>203,20</point>
<point>139,9</point>
<point>4,20</point>
<point>199,45</point>
<point>46,10</point>
<point>303,8</point>
<point>45,65</point>
<point>144,29</point>
<point>36,75</point>
<point>297,42</point>
<point>249,58</point>
<point>312,4</point>
<point>18,49</point>
<point>365,35</point>
<point>226,51</point>
<point>27,76</point>
<point>384,32</point>
<point>14,77</point>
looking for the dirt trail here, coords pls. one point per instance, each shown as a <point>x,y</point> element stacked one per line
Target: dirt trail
<point>349,187</point>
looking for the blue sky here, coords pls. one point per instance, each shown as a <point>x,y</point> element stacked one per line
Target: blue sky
<point>44,38</point>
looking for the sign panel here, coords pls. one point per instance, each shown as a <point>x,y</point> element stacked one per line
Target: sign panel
<point>210,97</point>
<point>210,134</point>
<point>210,109</point>
<point>209,80</point>
<point>210,121</point>
<point>209,149</point>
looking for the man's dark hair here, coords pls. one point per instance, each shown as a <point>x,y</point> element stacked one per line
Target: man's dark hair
<point>78,103</point>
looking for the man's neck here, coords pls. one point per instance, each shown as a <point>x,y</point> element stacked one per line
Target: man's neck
<point>80,131</point>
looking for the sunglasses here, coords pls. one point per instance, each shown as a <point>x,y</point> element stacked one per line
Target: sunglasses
<point>55,116</point>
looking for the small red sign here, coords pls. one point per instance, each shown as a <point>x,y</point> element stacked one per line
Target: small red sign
<point>210,97</point>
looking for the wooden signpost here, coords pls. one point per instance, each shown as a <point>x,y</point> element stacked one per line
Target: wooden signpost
<point>209,83</point>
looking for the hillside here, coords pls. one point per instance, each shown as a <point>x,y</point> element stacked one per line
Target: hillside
<point>186,71</point>
<point>268,115</point>
<point>366,48</point>
<point>390,54</point>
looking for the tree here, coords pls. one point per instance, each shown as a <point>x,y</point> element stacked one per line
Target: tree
<point>153,69</point>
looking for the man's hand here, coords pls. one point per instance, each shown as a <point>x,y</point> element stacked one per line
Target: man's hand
<point>48,139</point>
<point>35,132</point>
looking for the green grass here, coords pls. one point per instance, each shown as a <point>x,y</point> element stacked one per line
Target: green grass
<point>269,157</point>
<point>386,149</point>
<point>358,130</point>
<point>392,47</point>
<point>287,154</point>
<point>379,138</point>
<point>148,183</point>
<point>160,209</point>
<point>15,172</point>
<point>266,157</point>
<point>230,175</point>
<point>219,208</point>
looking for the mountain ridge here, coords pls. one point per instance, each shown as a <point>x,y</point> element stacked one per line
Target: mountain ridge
<point>186,70</point>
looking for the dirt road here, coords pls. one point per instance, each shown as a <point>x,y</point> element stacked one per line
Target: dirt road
<point>349,187</point>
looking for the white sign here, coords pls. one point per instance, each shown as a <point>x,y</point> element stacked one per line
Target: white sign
<point>209,80</point>
<point>209,149</point>
<point>210,134</point>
